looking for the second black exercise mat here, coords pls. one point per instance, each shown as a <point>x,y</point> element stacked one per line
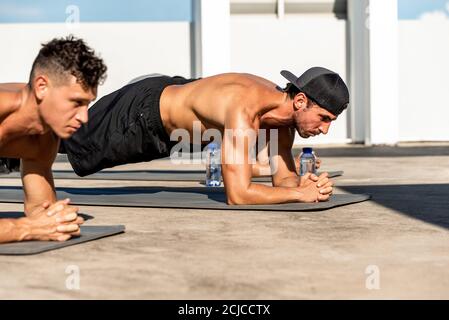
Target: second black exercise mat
<point>145,175</point>
<point>175,197</point>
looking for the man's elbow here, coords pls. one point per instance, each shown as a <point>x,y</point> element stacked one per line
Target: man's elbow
<point>237,198</point>
<point>234,200</point>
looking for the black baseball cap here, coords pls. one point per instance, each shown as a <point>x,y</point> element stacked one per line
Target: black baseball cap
<point>323,86</point>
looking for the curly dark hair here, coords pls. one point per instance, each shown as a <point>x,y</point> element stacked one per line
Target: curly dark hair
<point>63,56</point>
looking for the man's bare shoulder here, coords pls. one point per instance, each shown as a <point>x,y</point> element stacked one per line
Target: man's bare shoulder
<point>12,87</point>
<point>9,102</point>
<point>9,97</point>
<point>241,86</point>
<point>228,92</point>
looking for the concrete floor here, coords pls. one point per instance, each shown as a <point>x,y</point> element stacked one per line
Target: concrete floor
<point>199,254</point>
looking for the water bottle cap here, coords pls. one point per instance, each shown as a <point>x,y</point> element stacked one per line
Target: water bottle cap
<point>307,150</point>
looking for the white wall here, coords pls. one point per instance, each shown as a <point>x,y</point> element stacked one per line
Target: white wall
<point>261,44</point>
<point>129,49</point>
<point>264,45</point>
<point>423,80</point>
<point>374,71</point>
<point>212,53</point>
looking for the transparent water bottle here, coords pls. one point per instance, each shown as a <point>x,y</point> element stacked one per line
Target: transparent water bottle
<point>213,165</point>
<point>307,161</point>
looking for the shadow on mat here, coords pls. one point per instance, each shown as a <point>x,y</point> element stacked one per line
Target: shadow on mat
<point>216,193</point>
<point>426,202</point>
<point>119,172</point>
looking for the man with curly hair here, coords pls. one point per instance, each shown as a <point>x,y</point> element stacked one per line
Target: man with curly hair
<point>34,116</point>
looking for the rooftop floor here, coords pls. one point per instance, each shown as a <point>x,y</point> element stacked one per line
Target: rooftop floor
<point>403,233</point>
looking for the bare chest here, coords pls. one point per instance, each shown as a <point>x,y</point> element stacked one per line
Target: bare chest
<point>34,147</point>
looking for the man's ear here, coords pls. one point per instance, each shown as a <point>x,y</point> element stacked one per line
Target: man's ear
<point>300,101</point>
<point>40,86</point>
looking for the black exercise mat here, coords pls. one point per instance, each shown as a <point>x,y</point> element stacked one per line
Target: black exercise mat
<point>174,197</point>
<point>88,233</point>
<point>145,175</point>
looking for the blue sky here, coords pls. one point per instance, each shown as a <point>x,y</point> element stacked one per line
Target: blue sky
<point>16,11</point>
<point>413,9</point>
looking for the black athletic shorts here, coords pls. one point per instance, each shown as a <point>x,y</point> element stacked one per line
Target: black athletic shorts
<point>124,127</point>
<point>8,165</point>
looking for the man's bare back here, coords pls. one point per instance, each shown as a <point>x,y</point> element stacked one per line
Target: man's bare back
<point>211,100</point>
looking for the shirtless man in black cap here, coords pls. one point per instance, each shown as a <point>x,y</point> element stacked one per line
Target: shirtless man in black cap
<point>33,118</point>
<point>135,123</point>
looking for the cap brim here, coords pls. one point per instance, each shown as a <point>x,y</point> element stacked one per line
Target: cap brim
<point>289,76</point>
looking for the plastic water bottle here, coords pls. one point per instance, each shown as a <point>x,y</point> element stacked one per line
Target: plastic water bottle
<point>213,165</point>
<point>307,161</point>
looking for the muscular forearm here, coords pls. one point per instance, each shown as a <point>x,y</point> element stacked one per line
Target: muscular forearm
<point>260,170</point>
<point>262,194</point>
<point>289,182</point>
<point>37,179</point>
<point>12,230</point>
